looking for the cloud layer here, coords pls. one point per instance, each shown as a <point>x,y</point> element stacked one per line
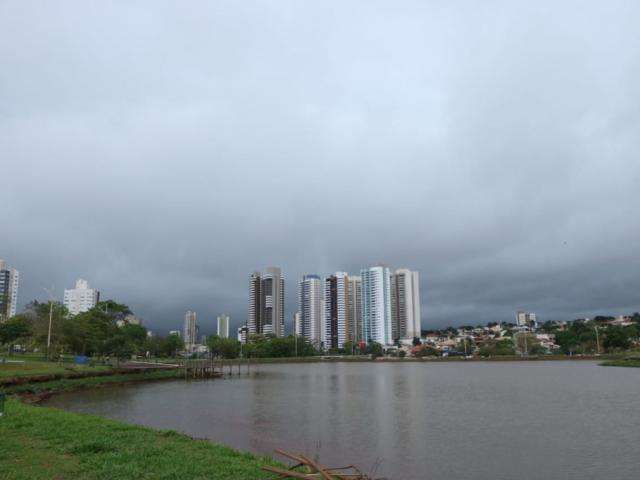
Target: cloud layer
<point>165,151</point>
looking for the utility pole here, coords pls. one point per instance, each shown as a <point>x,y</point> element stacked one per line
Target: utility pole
<point>50,319</point>
<point>597,340</point>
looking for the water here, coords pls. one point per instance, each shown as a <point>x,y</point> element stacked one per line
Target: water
<point>485,421</point>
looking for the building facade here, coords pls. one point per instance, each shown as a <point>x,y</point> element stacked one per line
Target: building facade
<point>82,298</point>
<point>355,332</point>
<point>405,305</point>
<point>266,302</point>
<point>297,324</point>
<point>9,284</point>
<point>310,309</point>
<point>223,326</point>
<point>336,310</point>
<point>243,334</point>
<point>526,319</point>
<point>376,305</point>
<point>190,330</point>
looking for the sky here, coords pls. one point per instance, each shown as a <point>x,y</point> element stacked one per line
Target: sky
<point>165,150</point>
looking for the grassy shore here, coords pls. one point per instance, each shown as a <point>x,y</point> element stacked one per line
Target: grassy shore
<point>623,362</point>
<point>43,389</point>
<point>29,368</point>
<point>45,443</point>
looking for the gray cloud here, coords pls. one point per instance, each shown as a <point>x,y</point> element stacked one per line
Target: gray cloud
<point>166,152</point>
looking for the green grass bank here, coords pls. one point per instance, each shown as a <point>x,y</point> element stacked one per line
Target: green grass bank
<point>622,362</point>
<point>45,443</point>
<point>46,388</point>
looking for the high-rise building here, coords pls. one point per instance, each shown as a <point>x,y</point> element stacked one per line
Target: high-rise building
<point>355,309</point>
<point>175,332</point>
<point>223,326</point>
<point>9,283</point>
<point>526,319</point>
<point>405,305</point>
<point>82,298</point>
<point>336,310</point>
<point>297,324</point>
<point>266,302</point>
<point>190,330</point>
<point>243,334</point>
<point>376,304</point>
<point>310,308</point>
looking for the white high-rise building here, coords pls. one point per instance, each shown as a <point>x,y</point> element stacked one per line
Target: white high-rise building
<point>190,330</point>
<point>355,309</point>
<point>82,298</point>
<point>336,310</point>
<point>9,284</point>
<point>243,334</point>
<point>405,305</point>
<point>376,304</point>
<point>297,324</point>
<point>223,326</point>
<point>310,308</point>
<point>266,302</point>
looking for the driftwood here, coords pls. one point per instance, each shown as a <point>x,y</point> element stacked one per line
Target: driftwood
<point>307,469</point>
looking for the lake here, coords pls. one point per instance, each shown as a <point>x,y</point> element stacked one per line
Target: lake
<point>479,420</point>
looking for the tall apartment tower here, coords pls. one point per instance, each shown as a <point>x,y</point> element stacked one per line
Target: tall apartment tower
<point>223,326</point>
<point>405,305</point>
<point>355,333</point>
<point>80,299</point>
<point>190,330</point>
<point>336,310</point>
<point>310,308</point>
<point>266,302</point>
<point>376,304</point>
<point>9,283</point>
<point>297,324</point>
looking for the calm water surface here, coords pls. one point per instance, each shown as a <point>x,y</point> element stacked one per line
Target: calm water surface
<point>484,421</point>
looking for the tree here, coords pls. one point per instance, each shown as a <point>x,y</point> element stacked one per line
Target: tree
<point>374,349</point>
<point>416,341</point>
<point>527,343</point>
<point>171,345</point>
<point>427,351</point>
<point>223,347</point>
<point>497,348</point>
<point>14,329</point>
<point>466,346</point>
<point>616,338</point>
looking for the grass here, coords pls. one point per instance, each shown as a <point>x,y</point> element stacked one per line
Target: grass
<point>623,362</point>
<point>46,443</point>
<point>38,367</point>
<point>67,384</point>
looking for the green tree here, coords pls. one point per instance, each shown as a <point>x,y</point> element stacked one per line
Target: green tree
<point>616,338</point>
<point>223,347</point>
<point>427,351</point>
<point>171,345</point>
<point>14,329</point>
<point>497,348</point>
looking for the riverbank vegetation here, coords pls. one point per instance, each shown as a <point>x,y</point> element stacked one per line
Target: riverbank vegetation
<point>44,388</point>
<point>38,443</point>
<point>623,362</point>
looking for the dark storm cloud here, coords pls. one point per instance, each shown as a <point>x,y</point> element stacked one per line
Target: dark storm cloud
<point>165,152</point>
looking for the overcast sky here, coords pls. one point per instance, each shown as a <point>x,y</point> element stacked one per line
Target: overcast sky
<point>165,150</point>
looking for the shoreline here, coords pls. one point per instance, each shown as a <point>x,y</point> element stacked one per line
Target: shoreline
<point>39,440</point>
